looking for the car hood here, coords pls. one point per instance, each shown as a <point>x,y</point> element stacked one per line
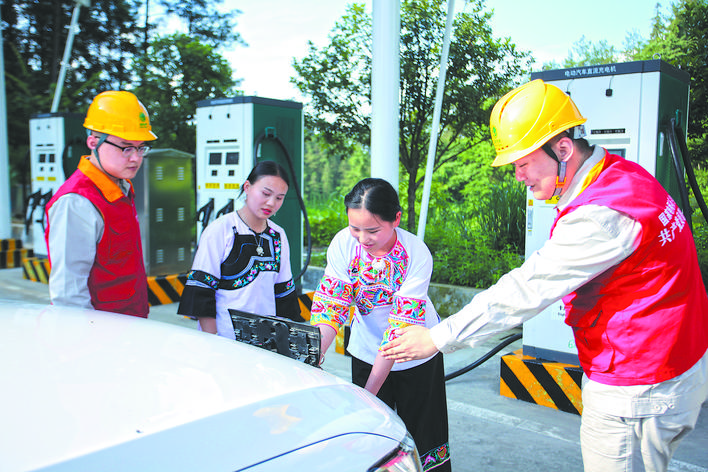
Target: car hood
<point>77,382</point>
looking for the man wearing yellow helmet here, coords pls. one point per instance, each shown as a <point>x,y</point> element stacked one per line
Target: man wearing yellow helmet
<point>92,232</point>
<point>622,258</point>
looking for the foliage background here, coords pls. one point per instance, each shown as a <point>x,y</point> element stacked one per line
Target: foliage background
<point>476,218</point>
<point>337,80</point>
<point>118,49</point>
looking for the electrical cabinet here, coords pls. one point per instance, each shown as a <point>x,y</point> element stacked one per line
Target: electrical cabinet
<point>164,200</point>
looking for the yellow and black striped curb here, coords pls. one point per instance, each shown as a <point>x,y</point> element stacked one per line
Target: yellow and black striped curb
<point>12,253</point>
<point>36,269</point>
<point>305,301</point>
<point>165,289</point>
<point>10,244</point>
<point>552,384</point>
<point>14,258</point>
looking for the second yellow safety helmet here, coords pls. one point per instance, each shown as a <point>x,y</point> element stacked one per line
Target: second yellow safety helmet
<point>120,114</point>
<point>524,119</point>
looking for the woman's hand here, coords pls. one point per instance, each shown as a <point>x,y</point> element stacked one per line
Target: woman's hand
<point>327,334</point>
<point>207,324</point>
<point>378,374</point>
<point>412,342</point>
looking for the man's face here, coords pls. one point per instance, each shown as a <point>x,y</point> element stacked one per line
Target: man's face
<point>538,171</point>
<point>116,162</point>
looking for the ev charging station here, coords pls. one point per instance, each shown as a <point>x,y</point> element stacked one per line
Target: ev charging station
<point>233,134</point>
<point>57,142</point>
<point>629,109</point>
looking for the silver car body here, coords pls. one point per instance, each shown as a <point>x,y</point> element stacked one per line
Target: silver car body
<point>87,390</point>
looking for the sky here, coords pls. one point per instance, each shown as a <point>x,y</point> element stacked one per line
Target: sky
<point>276,31</point>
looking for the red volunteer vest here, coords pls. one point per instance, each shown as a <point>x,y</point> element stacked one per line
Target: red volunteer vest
<point>117,281</point>
<point>645,320</point>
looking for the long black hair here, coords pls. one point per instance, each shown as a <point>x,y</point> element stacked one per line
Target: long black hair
<point>266,169</point>
<point>376,196</point>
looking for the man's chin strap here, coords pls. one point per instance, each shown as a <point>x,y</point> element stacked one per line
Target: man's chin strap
<point>101,139</point>
<point>560,177</point>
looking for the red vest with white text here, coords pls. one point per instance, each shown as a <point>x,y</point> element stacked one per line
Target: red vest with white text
<point>117,281</point>
<point>645,320</point>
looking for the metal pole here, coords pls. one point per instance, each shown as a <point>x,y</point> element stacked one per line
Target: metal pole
<point>432,147</point>
<point>385,88</point>
<point>5,203</point>
<point>67,55</point>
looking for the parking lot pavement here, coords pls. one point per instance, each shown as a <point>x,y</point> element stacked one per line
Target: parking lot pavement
<point>488,432</point>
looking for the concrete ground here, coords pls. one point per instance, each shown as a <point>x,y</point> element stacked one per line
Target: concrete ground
<point>488,432</point>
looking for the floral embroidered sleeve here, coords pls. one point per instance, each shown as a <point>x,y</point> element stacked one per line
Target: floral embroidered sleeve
<point>409,301</point>
<point>331,302</point>
<point>405,312</point>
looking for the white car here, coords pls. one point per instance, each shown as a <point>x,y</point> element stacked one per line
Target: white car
<point>84,390</point>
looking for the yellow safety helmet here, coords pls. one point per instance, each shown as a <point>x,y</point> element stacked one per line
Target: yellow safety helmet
<point>120,114</point>
<point>525,119</point>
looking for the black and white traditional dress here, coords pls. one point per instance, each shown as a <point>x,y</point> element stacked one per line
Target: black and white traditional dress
<point>234,267</point>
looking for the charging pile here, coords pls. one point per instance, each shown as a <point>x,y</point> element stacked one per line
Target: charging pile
<point>299,341</point>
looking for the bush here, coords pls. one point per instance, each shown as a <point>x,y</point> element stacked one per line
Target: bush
<point>473,264</point>
<point>700,229</point>
<point>474,244</point>
<point>501,215</point>
<point>326,219</point>
<point>700,237</point>
<point>463,252</point>
<point>319,257</point>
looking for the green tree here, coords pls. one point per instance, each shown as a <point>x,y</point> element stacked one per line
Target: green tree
<point>107,54</point>
<point>329,175</point>
<point>587,53</point>
<point>179,71</point>
<point>38,32</point>
<point>337,78</point>
<point>205,22</point>
<point>681,38</point>
<point>34,38</point>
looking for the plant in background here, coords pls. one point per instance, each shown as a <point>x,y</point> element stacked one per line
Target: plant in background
<point>700,236</point>
<point>468,249</point>
<point>472,263</point>
<point>336,79</point>
<point>502,215</point>
<point>327,217</point>
<point>463,251</point>
<point>698,221</point>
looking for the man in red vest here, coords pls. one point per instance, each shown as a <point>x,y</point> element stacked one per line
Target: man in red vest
<point>622,258</point>
<point>92,232</point>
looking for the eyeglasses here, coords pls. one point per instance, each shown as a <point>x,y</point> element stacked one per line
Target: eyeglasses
<point>129,151</point>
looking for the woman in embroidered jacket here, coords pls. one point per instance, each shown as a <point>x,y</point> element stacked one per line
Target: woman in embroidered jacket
<point>384,272</point>
<point>243,259</point>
